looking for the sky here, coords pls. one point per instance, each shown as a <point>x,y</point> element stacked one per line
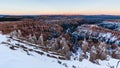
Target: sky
<point>44,7</point>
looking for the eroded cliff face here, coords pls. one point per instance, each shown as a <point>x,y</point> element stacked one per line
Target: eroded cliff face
<point>99,42</point>
<point>82,42</point>
<point>38,32</point>
<point>32,27</point>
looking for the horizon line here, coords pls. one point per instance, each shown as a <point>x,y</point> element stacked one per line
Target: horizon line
<point>56,14</point>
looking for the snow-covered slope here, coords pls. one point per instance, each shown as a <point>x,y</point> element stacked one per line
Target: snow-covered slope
<point>18,58</point>
<point>111,25</point>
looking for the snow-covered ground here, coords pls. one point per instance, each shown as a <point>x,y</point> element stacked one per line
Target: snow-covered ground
<point>19,59</point>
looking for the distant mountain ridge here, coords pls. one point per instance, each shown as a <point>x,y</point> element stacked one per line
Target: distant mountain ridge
<point>90,17</point>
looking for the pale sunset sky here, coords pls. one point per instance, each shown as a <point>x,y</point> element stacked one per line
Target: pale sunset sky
<point>44,7</point>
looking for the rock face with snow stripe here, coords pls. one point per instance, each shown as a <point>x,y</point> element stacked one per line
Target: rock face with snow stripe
<point>98,33</point>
